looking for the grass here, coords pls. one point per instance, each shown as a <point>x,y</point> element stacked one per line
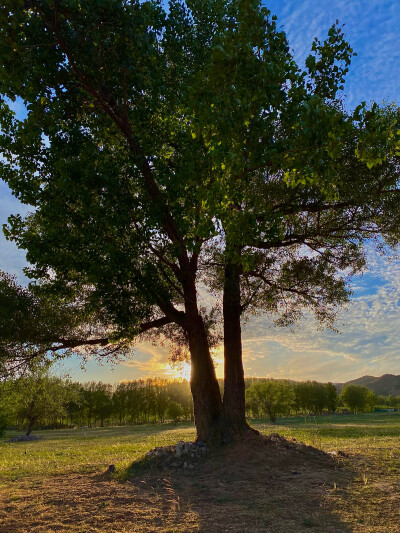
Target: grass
<point>84,451</point>
<point>63,473</point>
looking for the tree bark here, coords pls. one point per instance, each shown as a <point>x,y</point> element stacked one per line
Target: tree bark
<point>207,401</point>
<point>30,426</point>
<point>234,414</point>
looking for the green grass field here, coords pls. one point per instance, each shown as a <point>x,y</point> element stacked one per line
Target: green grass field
<point>66,459</point>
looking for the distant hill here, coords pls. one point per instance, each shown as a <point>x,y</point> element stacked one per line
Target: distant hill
<point>384,385</point>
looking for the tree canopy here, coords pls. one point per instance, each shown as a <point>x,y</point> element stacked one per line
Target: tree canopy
<point>167,148</point>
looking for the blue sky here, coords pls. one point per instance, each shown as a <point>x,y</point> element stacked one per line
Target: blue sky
<point>368,342</point>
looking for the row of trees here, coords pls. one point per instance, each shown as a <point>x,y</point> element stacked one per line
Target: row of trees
<point>270,398</point>
<point>279,398</point>
<point>41,400</point>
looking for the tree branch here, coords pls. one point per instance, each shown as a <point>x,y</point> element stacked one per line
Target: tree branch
<point>145,326</point>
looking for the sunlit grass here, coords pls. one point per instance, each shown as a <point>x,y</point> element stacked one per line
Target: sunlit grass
<point>84,450</point>
<point>90,450</point>
<point>369,446</point>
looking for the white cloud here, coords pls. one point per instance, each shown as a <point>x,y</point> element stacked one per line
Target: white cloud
<point>370,27</point>
<point>368,342</point>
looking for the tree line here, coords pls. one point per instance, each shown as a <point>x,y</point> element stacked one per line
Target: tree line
<point>44,401</point>
<point>277,398</point>
<point>41,400</point>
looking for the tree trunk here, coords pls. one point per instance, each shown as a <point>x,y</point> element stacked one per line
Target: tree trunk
<point>203,382</point>
<point>30,426</point>
<point>207,401</point>
<point>234,414</point>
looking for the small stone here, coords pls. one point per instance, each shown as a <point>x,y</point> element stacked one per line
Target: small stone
<point>192,455</point>
<point>185,465</point>
<point>200,443</point>
<point>295,472</point>
<point>178,454</point>
<point>191,467</point>
<point>175,464</point>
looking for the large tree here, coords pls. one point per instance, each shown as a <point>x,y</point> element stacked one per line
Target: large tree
<point>165,149</point>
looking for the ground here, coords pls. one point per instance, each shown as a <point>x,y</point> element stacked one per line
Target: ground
<point>271,485</point>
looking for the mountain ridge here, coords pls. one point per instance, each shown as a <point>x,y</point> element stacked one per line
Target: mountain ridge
<point>385,385</point>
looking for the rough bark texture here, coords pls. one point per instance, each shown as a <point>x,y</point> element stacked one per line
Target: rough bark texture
<point>207,400</point>
<point>234,418</point>
<point>204,385</point>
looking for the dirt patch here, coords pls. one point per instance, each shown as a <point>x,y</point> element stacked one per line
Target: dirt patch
<point>261,484</point>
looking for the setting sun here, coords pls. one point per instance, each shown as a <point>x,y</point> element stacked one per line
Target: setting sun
<point>181,371</point>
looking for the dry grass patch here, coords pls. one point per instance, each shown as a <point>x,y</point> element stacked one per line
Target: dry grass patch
<point>278,487</point>
<point>258,486</point>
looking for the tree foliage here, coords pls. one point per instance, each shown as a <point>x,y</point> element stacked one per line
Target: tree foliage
<point>314,397</point>
<point>38,396</point>
<point>166,147</point>
<point>358,398</point>
<point>276,398</point>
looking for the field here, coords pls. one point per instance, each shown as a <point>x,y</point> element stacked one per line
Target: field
<point>59,483</point>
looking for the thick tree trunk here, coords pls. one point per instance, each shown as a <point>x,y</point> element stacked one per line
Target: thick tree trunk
<point>234,414</point>
<point>203,382</point>
<point>207,402</point>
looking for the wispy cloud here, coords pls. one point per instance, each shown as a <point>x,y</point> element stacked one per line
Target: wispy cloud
<point>368,342</point>
<point>371,27</point>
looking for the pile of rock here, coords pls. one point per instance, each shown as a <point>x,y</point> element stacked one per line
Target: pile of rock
<point>184,455</point>
<point>23,438</point>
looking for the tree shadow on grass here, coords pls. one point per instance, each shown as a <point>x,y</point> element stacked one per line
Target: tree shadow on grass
<point>258,485</point>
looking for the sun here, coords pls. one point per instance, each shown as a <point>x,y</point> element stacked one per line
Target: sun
<point>182,371</point>
<point>185,370</point>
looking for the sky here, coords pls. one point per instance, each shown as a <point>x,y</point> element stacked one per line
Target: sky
<point>368,342</point>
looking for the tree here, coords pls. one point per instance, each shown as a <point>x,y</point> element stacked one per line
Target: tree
<point>165,148</point>
<point>331,397</point>
<point>358,398</point>
<point>174,411</point>
<point>275,398</point>
<point>315,397</point>
<point>6,406</point>
<point>39,396</point>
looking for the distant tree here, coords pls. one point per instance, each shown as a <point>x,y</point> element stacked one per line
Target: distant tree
<point>103,406</point>
<point>275,398</point>
<point>179,391</point>
<point>7,399</point>
<point>174,411</point>
<point>119,400</point>
<point>39,396</point>
<point>74,407</point>
<point>358,398</point>
<point>331,397</point>
<point>314,397</point>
